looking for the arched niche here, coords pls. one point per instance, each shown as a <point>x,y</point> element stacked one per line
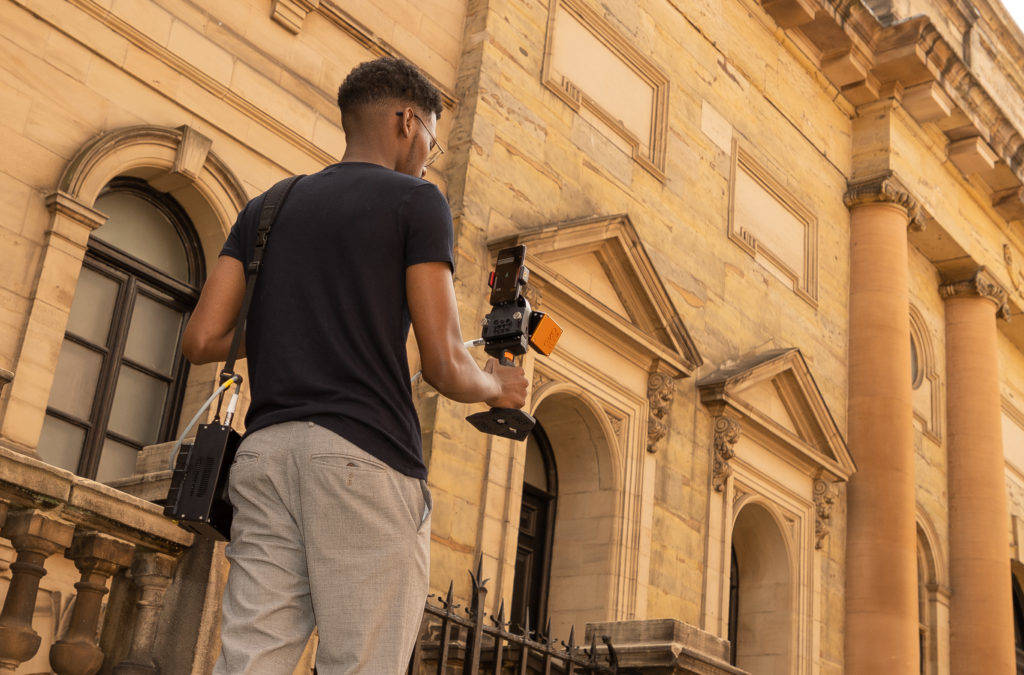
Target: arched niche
<point>583,574</point>
<point>178,161</point>
<point>765,613</point>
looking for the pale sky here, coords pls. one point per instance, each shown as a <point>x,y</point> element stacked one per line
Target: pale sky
<point>1016,8</point>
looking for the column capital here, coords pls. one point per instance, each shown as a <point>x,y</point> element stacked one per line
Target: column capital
<point>981,283</point>
<point>884,188</point>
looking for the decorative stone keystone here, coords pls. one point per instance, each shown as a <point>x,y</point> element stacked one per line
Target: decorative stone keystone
<point>97,556</point>
<point>291,13</point>
<point>152,573</point>
<point>35,537</point>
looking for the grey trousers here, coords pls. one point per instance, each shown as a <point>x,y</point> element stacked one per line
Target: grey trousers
<point>324,534</point>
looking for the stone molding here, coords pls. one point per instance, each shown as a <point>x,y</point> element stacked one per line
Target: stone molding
<point>885,188</point>
<point>61,203</point>
<point>727,433</point>
<point>291,13</point>
<point>980,284</point>
<point>867,60</point>
<point>661,388</point>
<point>824,498</point>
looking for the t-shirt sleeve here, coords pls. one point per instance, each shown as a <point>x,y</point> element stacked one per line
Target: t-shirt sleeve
<point>429,235</point>
<point>239,243</point>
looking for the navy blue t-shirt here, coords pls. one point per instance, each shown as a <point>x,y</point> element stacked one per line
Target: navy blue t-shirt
<point>327,328</point>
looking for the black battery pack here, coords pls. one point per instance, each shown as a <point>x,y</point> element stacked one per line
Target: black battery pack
<point>197,498</point>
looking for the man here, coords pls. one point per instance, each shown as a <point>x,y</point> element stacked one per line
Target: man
<point>332,511</point>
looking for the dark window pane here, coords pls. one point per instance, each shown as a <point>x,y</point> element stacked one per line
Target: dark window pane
<point>117,460</point>
<point>93,306</point>
<point>138,406</point>
<point>61,443</point>
<point>153,335</point>
<point>74,381</point>
<point>140,228</point>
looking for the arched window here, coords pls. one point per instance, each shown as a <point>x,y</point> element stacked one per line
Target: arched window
<point>120,375</point>
<point>536,532</point>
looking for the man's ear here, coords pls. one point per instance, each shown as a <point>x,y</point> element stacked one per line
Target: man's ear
<point>406,122</point>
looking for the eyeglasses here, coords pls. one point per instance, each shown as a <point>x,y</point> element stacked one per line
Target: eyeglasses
<point>435,147</point>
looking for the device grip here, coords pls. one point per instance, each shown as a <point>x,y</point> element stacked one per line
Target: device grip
<point>507,359</point>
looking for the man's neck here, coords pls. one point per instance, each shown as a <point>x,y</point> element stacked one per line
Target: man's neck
<point>369,156</point>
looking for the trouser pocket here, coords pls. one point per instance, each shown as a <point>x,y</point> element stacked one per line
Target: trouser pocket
<point>428,503</point>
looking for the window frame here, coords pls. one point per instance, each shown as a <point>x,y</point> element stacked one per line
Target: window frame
<point>135,277</point>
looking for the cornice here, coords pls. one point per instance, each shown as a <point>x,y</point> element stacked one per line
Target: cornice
<point>983,284</point>
<point>885,188</point>
<point>867,60</point>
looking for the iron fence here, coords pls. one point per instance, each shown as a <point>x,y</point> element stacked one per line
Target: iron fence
<point>469,641</point>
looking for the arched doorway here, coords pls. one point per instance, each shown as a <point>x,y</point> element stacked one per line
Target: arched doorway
<point>536,532</point>
<point>762,625</point>
<point>570,477</point>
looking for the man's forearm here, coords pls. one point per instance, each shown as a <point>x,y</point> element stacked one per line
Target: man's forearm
<point>462,380</point>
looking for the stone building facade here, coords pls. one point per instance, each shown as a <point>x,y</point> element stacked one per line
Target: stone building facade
<point>784,429</point>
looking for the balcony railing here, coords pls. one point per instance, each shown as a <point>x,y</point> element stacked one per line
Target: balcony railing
<point>46,511</point>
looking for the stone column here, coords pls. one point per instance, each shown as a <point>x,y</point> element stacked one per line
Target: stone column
<point>97,556</point>
<point>881,561</point>
<point>35,537</point>
<point>151,573</point>
<point>981,614</point>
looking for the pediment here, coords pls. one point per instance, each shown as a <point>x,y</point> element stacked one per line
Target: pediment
<point>600,265</point>
<point>775,393</point>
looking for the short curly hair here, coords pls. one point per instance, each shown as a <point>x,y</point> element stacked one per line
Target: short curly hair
<point>387,78</point>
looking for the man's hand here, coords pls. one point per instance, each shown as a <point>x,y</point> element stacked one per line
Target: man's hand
<point>447,364</point>
<point>512,381</point>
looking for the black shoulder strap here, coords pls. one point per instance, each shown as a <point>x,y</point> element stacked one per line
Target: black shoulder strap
<point>268,214</point>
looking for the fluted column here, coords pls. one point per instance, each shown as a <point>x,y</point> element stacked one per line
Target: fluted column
<point>981,614</point>
<point>881,565</point>
<point>97,556</point>
<point>35,536</point>
<point>151,573</point>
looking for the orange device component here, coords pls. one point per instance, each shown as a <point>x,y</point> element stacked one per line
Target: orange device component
<point>546,335</point>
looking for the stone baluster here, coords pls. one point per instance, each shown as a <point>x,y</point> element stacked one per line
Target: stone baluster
<point>151,573</point>
<point>97,556</point>
<point>35,536</point>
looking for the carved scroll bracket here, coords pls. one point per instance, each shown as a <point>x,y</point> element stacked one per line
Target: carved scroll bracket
<point>661,388</point>
<point>824,497</point>
<point>727,432</point>
<point>884,188</point>
<point>980,284</point>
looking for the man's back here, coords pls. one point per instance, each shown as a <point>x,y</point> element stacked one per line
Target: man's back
<point>327,330</point>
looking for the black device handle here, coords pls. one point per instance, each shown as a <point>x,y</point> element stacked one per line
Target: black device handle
<point>268,214</point>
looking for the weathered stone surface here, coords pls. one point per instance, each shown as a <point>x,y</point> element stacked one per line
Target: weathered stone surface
<point>665,646</point>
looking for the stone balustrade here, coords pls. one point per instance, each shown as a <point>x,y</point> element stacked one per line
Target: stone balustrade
<point>47,512</point>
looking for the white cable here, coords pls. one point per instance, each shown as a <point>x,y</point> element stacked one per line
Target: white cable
<point>177,446</point>
<point>468,343</point>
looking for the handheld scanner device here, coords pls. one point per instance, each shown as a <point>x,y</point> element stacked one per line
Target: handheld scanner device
<point>509,330</point>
